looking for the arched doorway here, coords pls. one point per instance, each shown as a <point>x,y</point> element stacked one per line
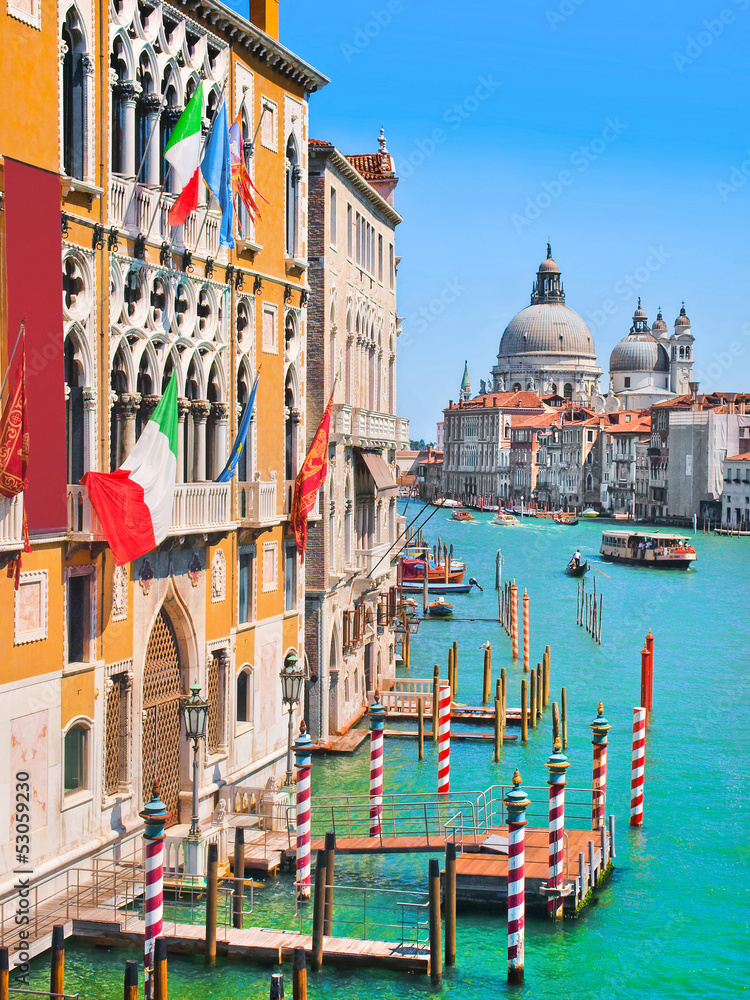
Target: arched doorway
<point>162,694</point>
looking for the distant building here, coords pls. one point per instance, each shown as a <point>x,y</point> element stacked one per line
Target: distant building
<point>439,435</point>
<point>430,475</point>
<point>647,366</point>
<point>736,499</point>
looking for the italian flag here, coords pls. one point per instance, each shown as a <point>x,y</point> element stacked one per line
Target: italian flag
<point>183,151</point>
<point>134,503</point>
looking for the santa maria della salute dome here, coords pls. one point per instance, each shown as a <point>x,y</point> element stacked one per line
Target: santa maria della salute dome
<point>547,347</point>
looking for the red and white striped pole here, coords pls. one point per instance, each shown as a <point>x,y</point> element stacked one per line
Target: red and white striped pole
<point>444,737</point>
<point>516,802</point>
<point>638,766</point>
<point>557,765</point>
<point>514,621</point>
<point>649,703</point>
<point>377,724</point>
<point>599,727</point>
<point>526,635</point>
<point>155,814</point>
<point>302,747</point>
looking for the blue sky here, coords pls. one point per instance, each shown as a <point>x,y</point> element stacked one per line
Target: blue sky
<point>641,107</point>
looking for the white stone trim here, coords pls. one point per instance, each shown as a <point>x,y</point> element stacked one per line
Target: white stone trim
<point>32,635</point>
<point>273,584</point>
<point>33,19</point>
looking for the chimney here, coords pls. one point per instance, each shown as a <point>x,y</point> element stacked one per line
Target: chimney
<point>264,14</point>
<point>694,386</point>
<point>730,397</point>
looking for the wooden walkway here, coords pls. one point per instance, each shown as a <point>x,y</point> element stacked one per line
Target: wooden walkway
<point>384,845</point>
<point>260,944</point>
<point>466,737</point>
<point>346,743</point>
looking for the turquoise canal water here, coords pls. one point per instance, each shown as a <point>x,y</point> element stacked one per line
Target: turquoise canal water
<point>673,920</point>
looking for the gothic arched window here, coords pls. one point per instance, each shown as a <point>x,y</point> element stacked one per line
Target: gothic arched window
<point>293,175</point>
<point>73,96</point>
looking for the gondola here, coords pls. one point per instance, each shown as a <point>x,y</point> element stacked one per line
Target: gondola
<point>568,521</point>
<point>580,570</point>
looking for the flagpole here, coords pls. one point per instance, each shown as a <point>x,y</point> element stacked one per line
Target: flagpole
<point>169,171</point>
<point>210,193</point>
<point>21,331</point>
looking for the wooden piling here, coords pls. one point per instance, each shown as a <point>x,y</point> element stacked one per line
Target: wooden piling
<point>599,621</point>
<point>498,727</point>
<point>524,714</point>
<point>532,699</point>
<point>420,727</point>
<point>299,975</point>
<point>319,901</point>
<point>5,976</point>
<point>435,697</point>
<point>539,690</point>
<point>330,849</point>
<point>582,873</point>
<point>238,897</point>
<point>450,671</point>
<point>487,687</point>
<point>555,721</point>
<point>212,893</point>
<point>564,717</point>
<point>160,969</point>
<point>130,991</point>
<point>436,956</point>
<point>504,695</point>
<point>547,672</point>
<point>57,960</point>
<point>450,903</point>
<point>592,873</point>
<point>276,992</point>
<point>455,669</point>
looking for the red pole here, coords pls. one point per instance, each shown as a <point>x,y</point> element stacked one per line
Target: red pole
<point>650,648</point>
<point>644,682</point>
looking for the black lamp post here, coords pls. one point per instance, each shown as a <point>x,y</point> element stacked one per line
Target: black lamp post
<point>195,714</point>
<point>292,677</point>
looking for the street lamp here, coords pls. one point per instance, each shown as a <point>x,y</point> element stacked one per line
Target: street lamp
<point>195,714</point>
<point>292,676</point>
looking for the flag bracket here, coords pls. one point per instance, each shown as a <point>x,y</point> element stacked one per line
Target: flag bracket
<point>209,269</point>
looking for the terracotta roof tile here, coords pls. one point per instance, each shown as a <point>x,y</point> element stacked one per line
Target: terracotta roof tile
<point>370,165</point>
<point>738,458</point>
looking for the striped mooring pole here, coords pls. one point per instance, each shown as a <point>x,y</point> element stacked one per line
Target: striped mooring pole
<point>377,725</point>
<point>557,765</point>
<point>638,766</point>
<point>599,727</point>
<point>302,747</point>
<point>514,621</point>
<point>444,738</point>
<point>526,636</point>
<point>155,814</point>
<point>516,802</point>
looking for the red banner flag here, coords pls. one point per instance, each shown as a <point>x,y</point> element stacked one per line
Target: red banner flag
<point>14,435</point>
<point>310,478</point>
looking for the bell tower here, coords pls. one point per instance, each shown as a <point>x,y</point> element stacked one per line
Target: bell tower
<point>681,354</point>
<point>465,392</point>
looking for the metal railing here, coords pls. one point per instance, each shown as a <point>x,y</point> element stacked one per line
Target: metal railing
<point>11,522</point>
<point>256,503</point>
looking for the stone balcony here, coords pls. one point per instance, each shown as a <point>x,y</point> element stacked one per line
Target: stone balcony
<point>373,563</point>
<point>370,427</point>
<point>314,514</point>
<point>197,508</point>
<point>11,523</point>
<point>256,504</point>
<point>132,207</point>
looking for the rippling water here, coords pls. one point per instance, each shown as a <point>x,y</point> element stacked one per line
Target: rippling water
<point>673,920</point>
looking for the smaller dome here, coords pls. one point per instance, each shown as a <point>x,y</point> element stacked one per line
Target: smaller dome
<point>549,265</point>
<point>682,319</point>
<point>659,325</point>
<point>639,313</point>
<point>639,352</point>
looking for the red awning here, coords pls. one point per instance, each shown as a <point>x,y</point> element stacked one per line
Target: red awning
<point>378,469</point>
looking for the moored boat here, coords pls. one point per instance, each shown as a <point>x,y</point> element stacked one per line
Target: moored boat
<point>507,520</point>
<point>643,548</point>
<point>440,588</point>
<point>440,608</point>
<point>590,512</point>
<point>413,571</point>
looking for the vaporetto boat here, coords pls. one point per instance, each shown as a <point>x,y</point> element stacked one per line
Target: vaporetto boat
<point>646,548</point>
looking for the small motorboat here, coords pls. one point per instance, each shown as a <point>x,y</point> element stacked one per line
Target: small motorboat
<point>445,502</point>
<point>440,608</point>
<point>590,512</point>
<point>506,520</point>
<point>577,567</point>
<point>440,588</point>
<point>562,519</point>
<point>462,515</point>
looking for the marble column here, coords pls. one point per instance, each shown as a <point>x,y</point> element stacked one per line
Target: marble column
<point>200,410</point>
<point>127,407</point>
<point>128,94</point>
<point>220,414</point>
<point>183,408</point>
<point>151,103</point>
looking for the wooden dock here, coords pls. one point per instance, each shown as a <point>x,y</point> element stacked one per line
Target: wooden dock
<point>384,845</point>
<point>470,737</point>
<point>345,743</point>
<point>259,944</point>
